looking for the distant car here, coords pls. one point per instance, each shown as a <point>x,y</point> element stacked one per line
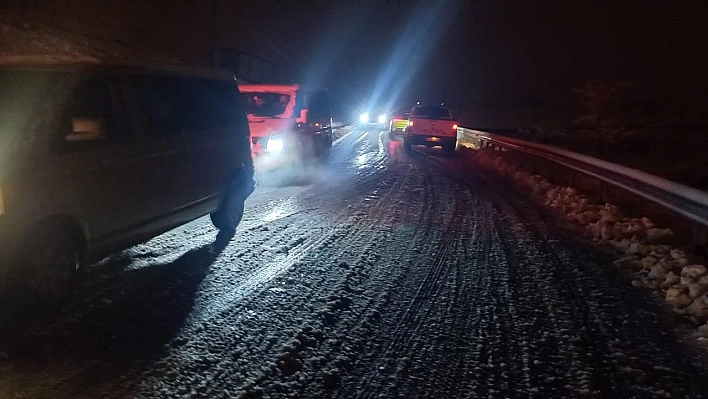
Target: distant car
<point>398,123</point>
<point>431,126</point>
<point>374,118</point>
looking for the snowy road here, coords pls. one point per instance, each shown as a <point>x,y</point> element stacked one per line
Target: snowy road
<point>381,275</point>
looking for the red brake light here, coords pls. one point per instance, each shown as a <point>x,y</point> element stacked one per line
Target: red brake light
<point>395,120</point>
<point>410,123</point>
<point>454,126</point>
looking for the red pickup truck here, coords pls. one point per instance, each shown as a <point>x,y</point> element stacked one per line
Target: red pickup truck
<point>431,126</point>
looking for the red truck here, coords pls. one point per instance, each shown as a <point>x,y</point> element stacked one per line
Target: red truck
<point>431,126</point>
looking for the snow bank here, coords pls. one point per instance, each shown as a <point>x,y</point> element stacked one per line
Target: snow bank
<point>659,267</point>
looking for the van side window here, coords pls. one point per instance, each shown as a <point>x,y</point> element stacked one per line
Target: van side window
<point>160,101</point>
<point>210,105</point>
<point>91,115</point>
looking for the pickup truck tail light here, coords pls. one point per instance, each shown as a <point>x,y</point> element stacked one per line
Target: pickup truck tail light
<point>454,126</point>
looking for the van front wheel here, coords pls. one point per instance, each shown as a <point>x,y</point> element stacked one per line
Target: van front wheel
<point>228,217</point>
<point>47,269</point>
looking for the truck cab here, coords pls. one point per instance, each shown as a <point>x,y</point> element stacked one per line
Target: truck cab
<point>287,119</point>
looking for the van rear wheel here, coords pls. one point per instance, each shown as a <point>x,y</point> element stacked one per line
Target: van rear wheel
<point>228,217</point>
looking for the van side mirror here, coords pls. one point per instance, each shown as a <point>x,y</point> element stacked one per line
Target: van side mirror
<point>86,129</point>
<point>303,116</point>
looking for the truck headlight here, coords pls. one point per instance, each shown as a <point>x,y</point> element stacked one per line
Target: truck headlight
<point>382,118</point>
<point>274,144</point>
<point>364,117</point>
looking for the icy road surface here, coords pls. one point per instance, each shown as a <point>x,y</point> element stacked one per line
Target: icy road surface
<point>379,275</point>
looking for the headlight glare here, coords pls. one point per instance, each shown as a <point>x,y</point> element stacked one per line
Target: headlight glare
<point>274,144</point>
<point>382,118</point>
<point>364,117</point>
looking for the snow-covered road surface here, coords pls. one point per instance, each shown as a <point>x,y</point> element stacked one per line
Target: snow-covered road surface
<point>375,274</point>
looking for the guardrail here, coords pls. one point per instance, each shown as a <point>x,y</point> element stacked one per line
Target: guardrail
<point>686,201</point>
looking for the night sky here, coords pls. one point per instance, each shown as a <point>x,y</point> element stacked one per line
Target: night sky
<point>496,55</point>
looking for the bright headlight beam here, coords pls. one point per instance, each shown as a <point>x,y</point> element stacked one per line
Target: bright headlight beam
<point>382,118</point>
<point>274,145</point>
<point>364,117</point>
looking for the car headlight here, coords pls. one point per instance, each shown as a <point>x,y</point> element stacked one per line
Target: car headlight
<point>274,144</point>
<point>364,117</point>
<point>382,118</point>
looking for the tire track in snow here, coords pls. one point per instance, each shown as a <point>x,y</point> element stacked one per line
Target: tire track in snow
<point>414,315</point>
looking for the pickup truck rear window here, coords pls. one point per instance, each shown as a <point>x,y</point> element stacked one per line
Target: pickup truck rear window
<point>431,112</point>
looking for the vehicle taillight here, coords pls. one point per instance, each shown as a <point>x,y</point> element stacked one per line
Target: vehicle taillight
<point>410,123</point>
<point>454,126</point>
<point>395,120</point>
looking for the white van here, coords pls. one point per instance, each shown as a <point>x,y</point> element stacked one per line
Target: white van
<point>97,155</point>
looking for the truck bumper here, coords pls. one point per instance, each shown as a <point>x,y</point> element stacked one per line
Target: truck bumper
<point>430,141</point>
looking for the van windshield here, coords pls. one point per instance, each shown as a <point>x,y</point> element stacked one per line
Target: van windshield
<point>265,104</point>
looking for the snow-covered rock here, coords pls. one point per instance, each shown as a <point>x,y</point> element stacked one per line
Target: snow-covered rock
<point>686,281</point>
<point>703,280</point>
<point>694,272</point>
<point>670,279</point>
<point>655,235</point>
<point>607,232</point>
<point>637,248</point>
<point>695,290</point>
<point>657,273</point>
<point>587,217</point>
<point>679,256</point>
<point>698,309</point>
<point>647,222</point>
<point>649,261</point>
<point>703,330</point>
<point>677,296</point>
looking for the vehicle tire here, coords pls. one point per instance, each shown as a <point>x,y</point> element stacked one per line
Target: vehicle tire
<point>47,265</point>
<point>309,148</point>
<point>327,149</point>
<point>228,217</point>
<point>407,146</point>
